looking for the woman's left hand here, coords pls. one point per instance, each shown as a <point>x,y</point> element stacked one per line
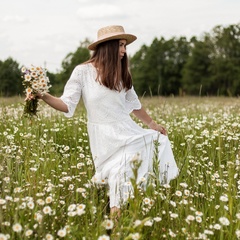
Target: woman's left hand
<point>162,130</point>
<point>157,127</point>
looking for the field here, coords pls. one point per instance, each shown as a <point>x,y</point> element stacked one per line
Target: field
<point>46,168</point>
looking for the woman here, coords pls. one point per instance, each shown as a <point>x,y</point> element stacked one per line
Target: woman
<point>105,84</point>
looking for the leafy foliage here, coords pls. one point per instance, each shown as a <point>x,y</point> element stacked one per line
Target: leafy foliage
<point>226,59</point>
<point>196,72</point>
<point>81,55</point>
<point>208,66</point>
<point>10,78</point>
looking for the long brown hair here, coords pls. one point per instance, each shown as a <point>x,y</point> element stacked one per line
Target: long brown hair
<point>113,72</point>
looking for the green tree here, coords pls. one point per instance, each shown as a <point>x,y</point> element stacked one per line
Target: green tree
<point>196,72</point>
<point>226,59</point>
<point>138,70</point>
<point>147,68</point>
<point>157,69</point>
<point>55,89</point>
<point>176,53</point>
<point>81,55</point>
<point>10,78</point>
<point>155,61</point>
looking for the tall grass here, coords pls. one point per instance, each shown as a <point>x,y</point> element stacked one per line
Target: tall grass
<point>46,168</point>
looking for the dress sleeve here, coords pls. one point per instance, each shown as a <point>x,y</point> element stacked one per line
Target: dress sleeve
<point>132,101</point>
<point>73,90</point>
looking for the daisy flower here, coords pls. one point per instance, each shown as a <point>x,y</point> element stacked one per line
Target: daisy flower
<point>47,210</point>
<point>104,237</point>
<point>224,221</point>
<point>108,224</point>
<point>135,236</point>
<point>49,237</point>
<point>28,232</point>
<point>178,193</point>
<point>62,232</point>
<point>3,237</point>
<point>17,227</point>
<point>224,198</point>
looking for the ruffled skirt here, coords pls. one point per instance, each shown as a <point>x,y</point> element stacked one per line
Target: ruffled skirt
<point>117,147</point>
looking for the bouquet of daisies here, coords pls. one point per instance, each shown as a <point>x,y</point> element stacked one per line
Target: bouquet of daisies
<point>35,81</point>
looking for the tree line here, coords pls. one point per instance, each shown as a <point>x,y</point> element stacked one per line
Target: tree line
<point>207,65</point>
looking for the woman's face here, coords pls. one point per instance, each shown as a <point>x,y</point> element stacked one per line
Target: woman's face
<point>122,47</point>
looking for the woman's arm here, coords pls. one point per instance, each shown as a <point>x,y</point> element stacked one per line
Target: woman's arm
<point>142,115</point>
<point>54,102</point>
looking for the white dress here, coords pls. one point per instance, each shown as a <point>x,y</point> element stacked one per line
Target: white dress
<point>115,139</point>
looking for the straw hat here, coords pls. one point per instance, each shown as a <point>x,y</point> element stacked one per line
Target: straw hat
<point>109,33</point>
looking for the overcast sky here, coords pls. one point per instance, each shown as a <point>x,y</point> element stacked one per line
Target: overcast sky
<point>45,31</point>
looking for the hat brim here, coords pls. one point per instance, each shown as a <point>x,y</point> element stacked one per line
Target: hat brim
<point>128,37</point>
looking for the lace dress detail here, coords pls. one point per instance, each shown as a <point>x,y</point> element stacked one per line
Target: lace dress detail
<point>114,137</point>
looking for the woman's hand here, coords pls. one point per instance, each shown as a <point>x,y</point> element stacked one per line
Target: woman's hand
<point>157,127</point>
<point>33,96</point>
<point>145,118</point>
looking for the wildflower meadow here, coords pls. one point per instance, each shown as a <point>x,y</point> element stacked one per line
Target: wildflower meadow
<point>46,169</point>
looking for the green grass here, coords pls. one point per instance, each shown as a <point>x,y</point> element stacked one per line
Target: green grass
<point>46,170</point>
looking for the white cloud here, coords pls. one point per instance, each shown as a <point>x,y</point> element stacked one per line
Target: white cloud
<point>99,11</point>
<point>14,19</point>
